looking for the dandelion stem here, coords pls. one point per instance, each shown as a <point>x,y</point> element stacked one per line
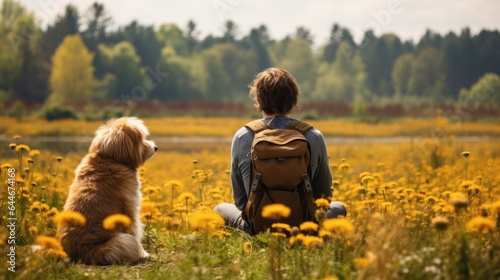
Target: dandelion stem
<point>465,169</point>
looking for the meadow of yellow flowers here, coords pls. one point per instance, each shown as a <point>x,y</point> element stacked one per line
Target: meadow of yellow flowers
<point>419,208</point>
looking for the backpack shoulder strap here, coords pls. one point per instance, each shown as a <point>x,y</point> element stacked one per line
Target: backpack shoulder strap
<point>301,126</point>
<point>256,126</point>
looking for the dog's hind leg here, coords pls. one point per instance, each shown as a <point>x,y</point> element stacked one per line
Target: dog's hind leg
<point>121,249</point>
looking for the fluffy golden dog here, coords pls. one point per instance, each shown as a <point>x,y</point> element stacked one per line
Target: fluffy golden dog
<point>106,183</point>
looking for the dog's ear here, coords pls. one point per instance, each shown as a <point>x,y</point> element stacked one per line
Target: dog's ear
<point>120,141</point>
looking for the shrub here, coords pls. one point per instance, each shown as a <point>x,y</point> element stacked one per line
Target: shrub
<point>58,113</point>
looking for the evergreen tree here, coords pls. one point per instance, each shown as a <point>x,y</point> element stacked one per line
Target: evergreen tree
<point>97,23</point>
<point>258,40</point>
<point>191,37</point>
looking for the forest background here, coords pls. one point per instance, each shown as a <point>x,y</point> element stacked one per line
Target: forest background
<point>79,67</point>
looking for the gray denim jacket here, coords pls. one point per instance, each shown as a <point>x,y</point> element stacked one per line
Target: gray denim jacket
<point>321,177</point>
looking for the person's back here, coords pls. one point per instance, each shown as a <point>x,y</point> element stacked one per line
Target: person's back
<point>276,94</point>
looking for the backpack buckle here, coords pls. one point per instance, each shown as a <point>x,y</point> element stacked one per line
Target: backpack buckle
<point>307,183</point>
<point>256,180</point>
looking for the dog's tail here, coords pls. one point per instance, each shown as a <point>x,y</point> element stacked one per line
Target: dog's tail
<point>121,249</point>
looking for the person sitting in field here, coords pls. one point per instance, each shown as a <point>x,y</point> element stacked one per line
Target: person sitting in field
<point>275,92</point>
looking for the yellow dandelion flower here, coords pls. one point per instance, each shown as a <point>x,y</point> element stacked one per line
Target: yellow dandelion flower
<point>446,194</point>
<point>408,191</point>
<point>480,224</point>
<point>151,189</point>
<point>386,205</point>
<point>309,226</point>
<point>12,146</point>
<point>344,166</point>
<point>465,185</point>
<point>324,233</point>
<point>339,226</point>
<point>186,197</point>
<point>58,254</point>
<point>279,234</point>
<point>369,202</point>
<point>206,221</point>
<point>312,242</point>
<point>456,194</point>
<point>34,153</point>
<point>220,234</point>
<point>247,247</point>
<point>36,206</point>
<point>33,230</point>
<point>330,278</point>
<point>475,189</point>
<point>363,174</point>
<point>359,190</point>
<point>70,218</point>
<point>321,202</point>
<point>296,238</point>
<point>280,227</point>
<point>419,196</point>
<point>431,199</point>
<point>172,184</point>
<point>51,246</point>
<point>361,263</point>
<point>6,166</point>
<point>117,220</point>
<point>53,211</point>
<point>276,211</point>
<point>22,148</point>
<point>48,242</point>
<point>367,179</point>
<point>495,206</point>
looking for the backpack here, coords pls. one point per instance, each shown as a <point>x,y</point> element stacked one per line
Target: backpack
<point>280,174</point>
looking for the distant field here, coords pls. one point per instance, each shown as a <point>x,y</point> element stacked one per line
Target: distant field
<point>226,127</point>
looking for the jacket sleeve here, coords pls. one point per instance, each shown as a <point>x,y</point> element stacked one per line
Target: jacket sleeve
<point>322,176</point>
<point>240,169</point>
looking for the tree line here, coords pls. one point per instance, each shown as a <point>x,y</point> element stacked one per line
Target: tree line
<point>79,59</point>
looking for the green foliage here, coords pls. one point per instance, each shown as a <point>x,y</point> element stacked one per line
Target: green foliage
<point>170,35</point>
<point>53,113</point>
<point>216,80</point>
<point>72,78</point>
<point>344,79</point>
<point>485,92</point>
<point>427,78</point>
<point>401,75</point>
<point>124,64</point>
<point>18,110</point>
<point>299,60</point>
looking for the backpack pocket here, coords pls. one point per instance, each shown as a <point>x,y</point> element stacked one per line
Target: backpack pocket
<point>289,198</point>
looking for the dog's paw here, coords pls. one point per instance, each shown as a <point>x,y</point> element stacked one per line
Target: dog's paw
<point>145,255</point>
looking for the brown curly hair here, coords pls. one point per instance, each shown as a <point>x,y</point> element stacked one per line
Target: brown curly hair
<point>275,91</point>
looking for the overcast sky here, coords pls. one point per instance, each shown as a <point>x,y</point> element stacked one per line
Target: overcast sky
<point>407,18</point>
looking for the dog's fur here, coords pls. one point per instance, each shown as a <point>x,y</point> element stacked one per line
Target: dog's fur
<point>106,183</point>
